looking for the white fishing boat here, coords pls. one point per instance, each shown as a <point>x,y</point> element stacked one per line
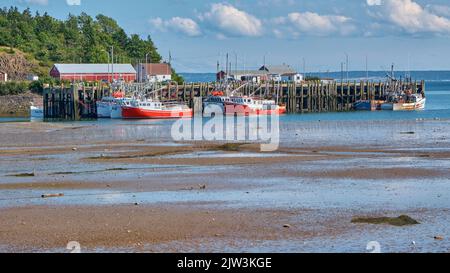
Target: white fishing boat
<point>217,101</point>
<point>253,106</point>
<point>36,112</point>
<point>406,103</point>
<point>104,107</point>
<point>116,108</point>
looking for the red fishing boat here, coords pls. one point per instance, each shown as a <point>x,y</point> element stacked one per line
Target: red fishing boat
<point>148,109</point>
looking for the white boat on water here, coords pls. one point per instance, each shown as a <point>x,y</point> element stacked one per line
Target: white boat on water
<point>104,107</point>
<point>36,112</point>
<point>116,108</point>
<point>253,106</point>
<point>244,105</point>
<point>217,101</point>
<point>411,103</point>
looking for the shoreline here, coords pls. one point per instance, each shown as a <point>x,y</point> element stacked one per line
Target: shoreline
<point>159,196</point>
<point>179,228</point>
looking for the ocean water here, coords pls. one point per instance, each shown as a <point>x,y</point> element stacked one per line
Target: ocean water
<point>429,76</point>
<point>437,107</point>
<point>437,91</point>
<point>437,87</point>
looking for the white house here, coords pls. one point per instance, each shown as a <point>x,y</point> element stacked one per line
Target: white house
<point>297,78</point>
<point>280,72</point>
<point>32,77</point>
<point>155,72</point>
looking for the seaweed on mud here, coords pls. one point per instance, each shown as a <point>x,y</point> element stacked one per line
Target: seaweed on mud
<point>154,154</point>
<point>87,172</point>
<point>402,220</point>
<point>63,173</point>
<point>230,147</point>
<point>23,175</point>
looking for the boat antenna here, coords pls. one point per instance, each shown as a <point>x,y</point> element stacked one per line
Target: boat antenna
<point>392,71</point>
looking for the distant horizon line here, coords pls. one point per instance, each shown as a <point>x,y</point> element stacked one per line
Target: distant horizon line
<point>350,71</point>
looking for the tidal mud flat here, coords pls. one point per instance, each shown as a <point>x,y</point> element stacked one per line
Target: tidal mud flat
<point>126,186</point>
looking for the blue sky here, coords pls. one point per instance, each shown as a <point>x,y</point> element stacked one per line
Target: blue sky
<point>413,34</point>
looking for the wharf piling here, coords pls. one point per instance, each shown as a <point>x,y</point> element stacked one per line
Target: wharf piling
<point>78,101</point>
<point>75,102</point>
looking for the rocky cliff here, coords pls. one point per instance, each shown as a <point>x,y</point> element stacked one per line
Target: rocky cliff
<point>18,105</point>
<point>16,64</point>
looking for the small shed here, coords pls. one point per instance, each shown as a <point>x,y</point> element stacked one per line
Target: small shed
<point>277,72</point>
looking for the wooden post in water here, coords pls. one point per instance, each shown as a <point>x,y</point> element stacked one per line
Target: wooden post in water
<point>198,106</point>
<point>75,101</point>
<point>301,98</point>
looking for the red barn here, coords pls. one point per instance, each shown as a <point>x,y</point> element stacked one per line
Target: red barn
<point>93,72</point>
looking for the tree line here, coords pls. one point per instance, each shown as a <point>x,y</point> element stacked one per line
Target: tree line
<point>78,39</point>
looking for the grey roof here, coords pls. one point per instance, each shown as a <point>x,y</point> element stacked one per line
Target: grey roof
<point>94,68</point>
<point>279,69</point>
<point>248,72</point>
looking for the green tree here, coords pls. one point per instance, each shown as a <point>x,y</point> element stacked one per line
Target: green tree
<point>78,38</point>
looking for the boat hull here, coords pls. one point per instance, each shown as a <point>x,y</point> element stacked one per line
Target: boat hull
<point>419,105</point>
<point>116,112</point>
<point>368,105</point>
<point>387,106</point>
<point>413,106</point>
<point>104,110</point>
<point>36,112</point>
<point>239,109</point>
<point>139,113</point>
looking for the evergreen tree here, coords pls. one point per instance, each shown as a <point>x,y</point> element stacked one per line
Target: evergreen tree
<point>76,39</point>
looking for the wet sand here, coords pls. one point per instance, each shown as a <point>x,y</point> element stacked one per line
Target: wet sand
<point>125,192</point>
<point>137,226</point>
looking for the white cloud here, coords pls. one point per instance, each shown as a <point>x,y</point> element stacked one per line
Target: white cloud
<point>413,18</point>
<point>441,10</point>
<point>315,24</point>
<point>37,2</point>
<point>374,2</point>
<point>277,3</point>
<point>186,26</point>
<point>232,21</point>
<point>73,2</point>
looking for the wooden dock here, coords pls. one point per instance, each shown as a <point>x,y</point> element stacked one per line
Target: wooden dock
<point>78,101</point>
<point>75,102</point>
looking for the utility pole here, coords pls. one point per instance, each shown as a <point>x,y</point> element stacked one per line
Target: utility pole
<point>236,63</point>
<point>392,71</point>
<point>346,64</point>
<point>109,59</point>
<point>304,67</point>
<point>342,72</point>
<point>146,66</point>
<point>112,63</point>
<point>367,69</point>
<point>226,70</point>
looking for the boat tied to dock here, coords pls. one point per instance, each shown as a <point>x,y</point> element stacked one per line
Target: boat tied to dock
<point>150,109</point>
<point>399,96</point>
